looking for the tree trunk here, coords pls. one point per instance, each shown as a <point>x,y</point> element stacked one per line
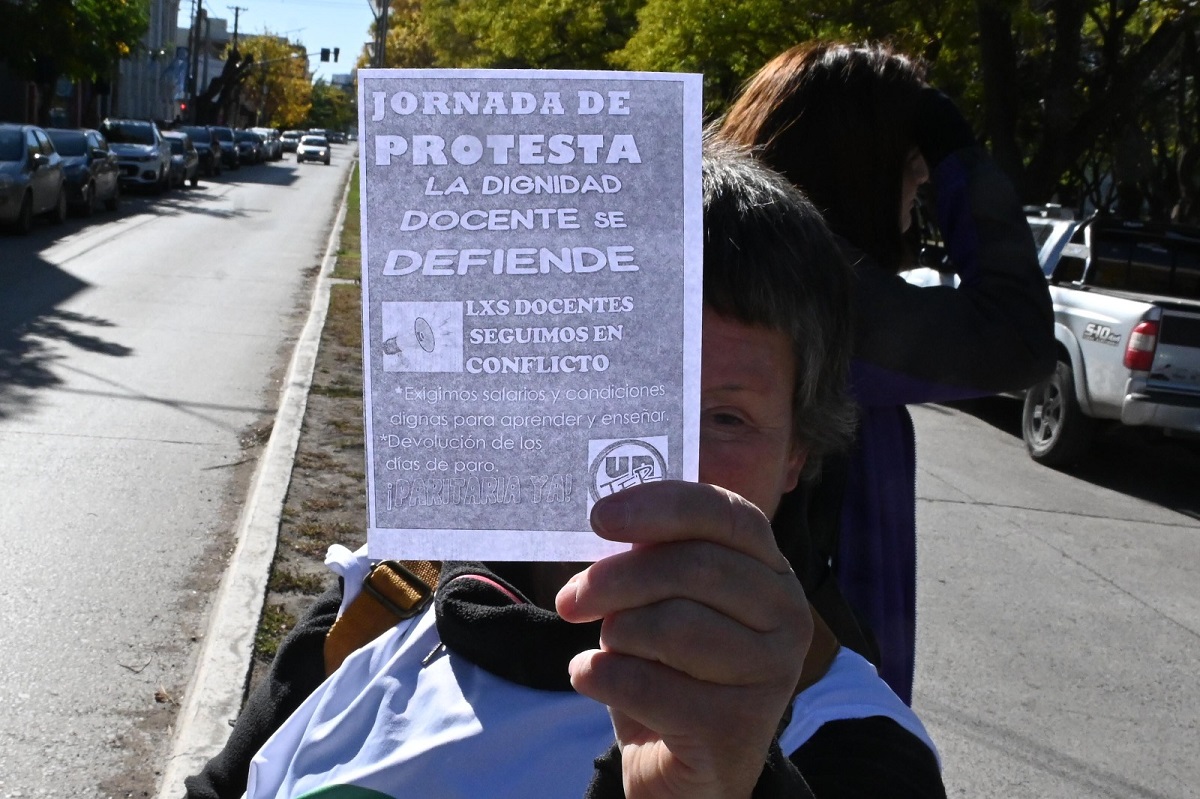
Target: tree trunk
<point>998,60</point>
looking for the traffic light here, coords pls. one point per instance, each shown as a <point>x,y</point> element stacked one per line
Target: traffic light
<point>324,53</point>
<point>336,50</point>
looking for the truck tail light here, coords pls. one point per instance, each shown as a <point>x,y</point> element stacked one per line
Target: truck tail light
<point>1139,354</point>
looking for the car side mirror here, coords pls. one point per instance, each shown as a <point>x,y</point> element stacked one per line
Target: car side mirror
<point>99,153</point>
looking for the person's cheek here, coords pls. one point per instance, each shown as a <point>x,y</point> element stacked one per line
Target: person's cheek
<point>715,456</point>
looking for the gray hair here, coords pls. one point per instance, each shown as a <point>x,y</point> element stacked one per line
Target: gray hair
<point>770,261</point>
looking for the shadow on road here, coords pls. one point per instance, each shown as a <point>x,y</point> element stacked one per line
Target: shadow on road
<point>31,325</point>
<point>275,173</point>
<point>1136,462</point>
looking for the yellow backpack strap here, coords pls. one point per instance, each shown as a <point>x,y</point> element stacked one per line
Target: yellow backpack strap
<point>392,591</point>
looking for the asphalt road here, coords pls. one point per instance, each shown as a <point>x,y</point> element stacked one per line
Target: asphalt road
<point>140,355</point>
<point>1058,614</point>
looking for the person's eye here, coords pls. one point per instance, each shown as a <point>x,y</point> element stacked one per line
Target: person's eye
<point>726,419</point>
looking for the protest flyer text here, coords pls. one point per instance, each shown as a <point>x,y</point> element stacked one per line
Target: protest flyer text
<point>531,246</point>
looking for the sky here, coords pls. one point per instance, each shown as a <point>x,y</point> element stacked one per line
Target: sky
<point>345,24</point>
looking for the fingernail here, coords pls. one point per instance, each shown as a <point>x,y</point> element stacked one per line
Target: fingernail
<point>570,589</point>
<point>610,515</point>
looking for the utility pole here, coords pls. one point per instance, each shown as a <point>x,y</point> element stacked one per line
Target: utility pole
<point>235,10</point>
<point>383,14</point>
<point>194,41</point>
<point>379,56</point>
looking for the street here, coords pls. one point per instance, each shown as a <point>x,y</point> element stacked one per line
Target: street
<point>140,357</point>
<point>1058,614</point>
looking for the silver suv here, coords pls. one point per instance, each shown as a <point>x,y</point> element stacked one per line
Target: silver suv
<point>143,154</point>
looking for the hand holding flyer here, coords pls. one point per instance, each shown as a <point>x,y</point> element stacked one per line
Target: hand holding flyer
<point>531,303</point>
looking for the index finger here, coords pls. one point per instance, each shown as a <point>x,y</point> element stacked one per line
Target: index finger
<point>672,510</point>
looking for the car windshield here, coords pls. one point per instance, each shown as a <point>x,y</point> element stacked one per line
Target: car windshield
<point>68,142</point>
<point>129,133</point>
<point>224,134</point>
<point>176,146</point>
<point>12,144</point>
<point>200,135</point>
<point>315,141</point>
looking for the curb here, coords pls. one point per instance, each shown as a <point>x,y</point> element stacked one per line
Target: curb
<point>218,685</point>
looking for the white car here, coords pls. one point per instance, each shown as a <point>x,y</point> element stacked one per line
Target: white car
<point>144,156</point>
<point>312,148</point>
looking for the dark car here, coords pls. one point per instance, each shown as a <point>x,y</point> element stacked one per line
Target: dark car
<point>31,177</point>
<point>290,138</point>
<point>144,157</point>
<point>229,150</point>
<point>90,166</point>
<point>185,161</point>
<point>250,147</point>
<point>208,147</point>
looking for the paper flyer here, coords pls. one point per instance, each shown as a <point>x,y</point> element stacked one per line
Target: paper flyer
<point>532,301</point>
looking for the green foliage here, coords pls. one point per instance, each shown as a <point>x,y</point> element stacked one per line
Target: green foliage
<point>408,41</point>
<point>333,107</point>
<point>726,41</point>
<point>277,83</point>
<point>79,39</point>
<point>539,34</point>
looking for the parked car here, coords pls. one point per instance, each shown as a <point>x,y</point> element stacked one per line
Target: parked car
<point>185,161</point>
<point>144,156</point>
<point>31,177</point>
<point>250,146</point>
<point>90,168</point>
<point>229,149</point>
<point>312,148</point>
<point>1126,300</point>
<point>272,143</point>
<point>208,147</point>
<point>289,139</point>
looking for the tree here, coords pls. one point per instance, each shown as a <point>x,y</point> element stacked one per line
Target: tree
<point>726,42</point>
<point>83,40</point>
<point>333,107</point>
<point>538,34</point>
<point>408,40</point>
<point>1103,76</point>
<point>277,88</point>
<point>1079,99</point>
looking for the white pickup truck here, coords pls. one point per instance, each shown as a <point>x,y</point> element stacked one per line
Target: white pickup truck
<point>1127,321</point>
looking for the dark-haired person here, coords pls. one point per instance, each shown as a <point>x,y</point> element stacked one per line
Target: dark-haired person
<point>858,130</point>
<point>675,669</point>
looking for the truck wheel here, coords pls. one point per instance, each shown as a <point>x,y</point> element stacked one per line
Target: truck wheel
<point>1056,432</point>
